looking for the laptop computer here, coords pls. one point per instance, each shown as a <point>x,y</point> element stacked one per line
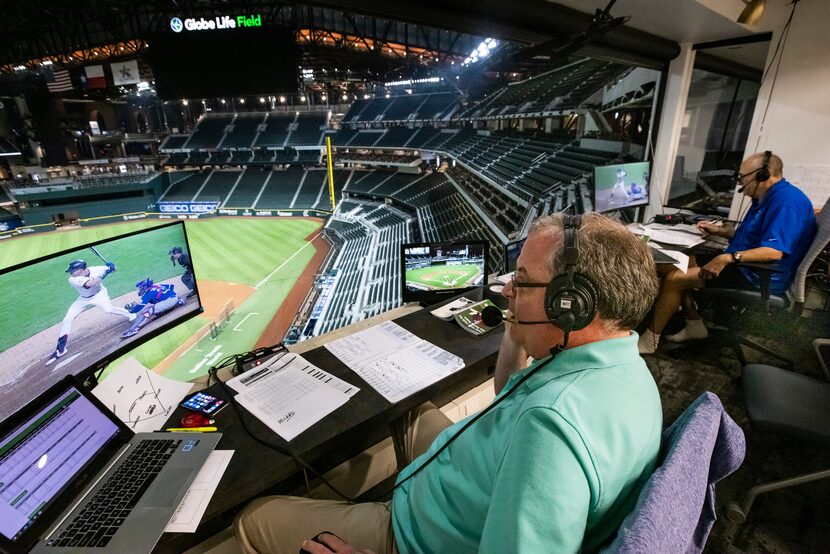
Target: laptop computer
<point>74,478</point>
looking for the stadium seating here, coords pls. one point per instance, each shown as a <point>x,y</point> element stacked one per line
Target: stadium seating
<point>173,142</point>
<point>312,188</point>
<point>395,137</point>
<point>403,107</point>
<point>281,189</point>
<point>244,131</point>
<point>247,189</point>
<point>437,106</point>
<point>185,189</point>
<point>217,186</point>
<point>276,130</point>
<point>263,157</point>
<point>410,107</point>
<point>309,129</point>
<point>209,131</point>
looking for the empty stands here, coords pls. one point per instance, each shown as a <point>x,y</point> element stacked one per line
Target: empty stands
<point>276,130</point>
<point>217,186</point>
<point>244,131</point>
<point>309,129</point>
<point>185,189</point>
<point>247,189</point>
<point>209,131</point>
<point>281,189</point>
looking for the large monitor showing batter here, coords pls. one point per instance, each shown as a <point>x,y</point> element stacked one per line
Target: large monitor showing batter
<point>74,311</point>
<point>437,270</point>
<point>619,186</point>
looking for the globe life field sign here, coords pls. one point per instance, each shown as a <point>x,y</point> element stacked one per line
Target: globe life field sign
<point>219,22</point>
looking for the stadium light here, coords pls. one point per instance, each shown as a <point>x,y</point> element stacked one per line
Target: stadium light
<point>184,102</point>
<point>345,96</point>
<point>46,62</point>
<point>223,101</point>
<point>323,96</point>
<point>484,49</point>
<point>241,100</point>
<point>302,98</point>
<point>365,96</point>
<point>262,100</point>
<point>282,99</point>
<point>388,95</point>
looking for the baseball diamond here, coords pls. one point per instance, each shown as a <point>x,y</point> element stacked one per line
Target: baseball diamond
<point>440,277</point>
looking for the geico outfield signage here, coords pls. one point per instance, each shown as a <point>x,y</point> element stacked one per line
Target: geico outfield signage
<point>219,22</point>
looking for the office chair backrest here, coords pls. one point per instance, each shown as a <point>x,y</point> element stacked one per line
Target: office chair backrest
<point>676,508</point>
<point>798,288</point>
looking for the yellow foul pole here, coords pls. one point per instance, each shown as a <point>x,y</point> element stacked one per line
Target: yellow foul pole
<point>331,172</point>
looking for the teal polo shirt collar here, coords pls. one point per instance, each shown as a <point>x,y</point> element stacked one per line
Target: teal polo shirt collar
<point>599,354</point>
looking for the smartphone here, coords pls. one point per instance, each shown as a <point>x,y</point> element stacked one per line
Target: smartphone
<point>203,403</point>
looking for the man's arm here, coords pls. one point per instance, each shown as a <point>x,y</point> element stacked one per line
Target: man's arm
<point>512,358</point>
<point>718,263</point>
<point>710,228</point>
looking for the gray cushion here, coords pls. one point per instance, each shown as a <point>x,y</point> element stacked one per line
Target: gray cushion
<point>787,402</point>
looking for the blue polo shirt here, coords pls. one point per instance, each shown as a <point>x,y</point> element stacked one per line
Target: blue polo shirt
<point>784,220</point>
<point>555,467</point>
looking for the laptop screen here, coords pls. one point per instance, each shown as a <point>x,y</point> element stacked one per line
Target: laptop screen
<point>43,455</point>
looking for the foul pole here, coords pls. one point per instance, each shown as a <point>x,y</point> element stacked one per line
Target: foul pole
<point>331,172</point>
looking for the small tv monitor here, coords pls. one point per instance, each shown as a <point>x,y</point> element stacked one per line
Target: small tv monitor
<point>431,272</point>
<point>511,254</point>
<point>70,313</point>
<point>619,186</point>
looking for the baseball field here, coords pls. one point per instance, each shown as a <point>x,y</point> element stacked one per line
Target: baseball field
<point>440,277</point>
<point>246,267</point>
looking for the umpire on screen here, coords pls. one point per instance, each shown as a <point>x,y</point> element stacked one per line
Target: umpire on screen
<point>178,255</point>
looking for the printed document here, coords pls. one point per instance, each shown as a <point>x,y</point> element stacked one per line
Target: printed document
<point>393,361</point>
<point>285,360</point>
<point>290,400</point>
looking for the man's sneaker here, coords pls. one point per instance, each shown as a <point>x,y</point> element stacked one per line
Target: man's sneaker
<point>55,355</point>
<point>132,317</point>
<point>129,333</point>
<point>180,302</point>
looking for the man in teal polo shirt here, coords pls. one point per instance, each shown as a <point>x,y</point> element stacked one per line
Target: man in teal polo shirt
<point>554,467</point>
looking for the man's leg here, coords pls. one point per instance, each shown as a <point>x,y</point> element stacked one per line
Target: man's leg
<point>102,300</point>
<point>280,524</point>
<point>668,300</point>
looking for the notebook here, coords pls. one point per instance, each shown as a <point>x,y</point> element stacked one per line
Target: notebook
<point>74,478</point>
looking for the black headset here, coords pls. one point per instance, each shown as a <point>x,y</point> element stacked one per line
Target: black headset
<point>571,297</point>
<point>763,173</point>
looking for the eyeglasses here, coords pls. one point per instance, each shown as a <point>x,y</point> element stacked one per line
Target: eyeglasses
<point>516,284</point>
<point>740,177</point>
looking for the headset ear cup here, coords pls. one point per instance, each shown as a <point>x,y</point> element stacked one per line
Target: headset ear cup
<point>764,173</point>
<point>571,306</point>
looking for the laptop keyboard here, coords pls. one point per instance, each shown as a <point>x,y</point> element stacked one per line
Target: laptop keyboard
<point>104,513</point>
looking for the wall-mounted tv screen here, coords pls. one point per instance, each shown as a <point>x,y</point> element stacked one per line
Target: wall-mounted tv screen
<point>437,270</point>
<point>620,186</point>
<point>74,311</point>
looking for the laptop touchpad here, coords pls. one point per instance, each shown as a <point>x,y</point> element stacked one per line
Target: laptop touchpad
<point>160,496</point>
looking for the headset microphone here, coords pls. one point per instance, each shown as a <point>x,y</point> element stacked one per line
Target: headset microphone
<point>492,316</point>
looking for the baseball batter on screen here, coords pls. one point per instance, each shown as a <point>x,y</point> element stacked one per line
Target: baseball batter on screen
<point>89,282</point>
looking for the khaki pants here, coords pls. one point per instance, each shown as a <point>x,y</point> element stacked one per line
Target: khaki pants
<point>279,524</point>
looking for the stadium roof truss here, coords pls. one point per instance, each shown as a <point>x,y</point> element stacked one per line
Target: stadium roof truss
<point>72,32</point>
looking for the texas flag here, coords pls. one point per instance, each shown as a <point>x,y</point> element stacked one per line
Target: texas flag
<point>95,77</point>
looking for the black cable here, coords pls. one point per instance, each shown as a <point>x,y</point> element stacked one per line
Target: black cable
<point>553,352</point>
<point>275,447</point>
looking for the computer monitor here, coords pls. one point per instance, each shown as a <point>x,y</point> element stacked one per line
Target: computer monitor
<point>433,271</point>
<point>623,185</point>
<point>68,313</point>
<point>511,254</point>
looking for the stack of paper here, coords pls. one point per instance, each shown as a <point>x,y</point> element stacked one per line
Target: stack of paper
<point>289,394</point>
<point>393,361</point>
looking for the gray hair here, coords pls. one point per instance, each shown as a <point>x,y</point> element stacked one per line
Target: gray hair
<point>618,263</point>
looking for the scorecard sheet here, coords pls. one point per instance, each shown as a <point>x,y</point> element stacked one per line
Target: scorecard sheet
<point>393,361</point>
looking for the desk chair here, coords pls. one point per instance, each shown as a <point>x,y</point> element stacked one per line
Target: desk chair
<point>786,402</point>
<point>676,508</point>
<point>739,302</point>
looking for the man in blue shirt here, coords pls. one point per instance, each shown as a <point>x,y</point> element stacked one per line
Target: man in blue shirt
<point>779,227</point>
<point>557,461</point>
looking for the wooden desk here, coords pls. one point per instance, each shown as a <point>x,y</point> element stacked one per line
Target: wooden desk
<point>361,422</point>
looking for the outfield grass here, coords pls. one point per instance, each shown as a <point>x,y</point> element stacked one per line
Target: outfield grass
<point>240,250</point>
<point>434,276</point>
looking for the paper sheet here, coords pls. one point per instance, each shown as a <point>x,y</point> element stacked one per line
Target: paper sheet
<point>250,378</point>
<point>192,507</point>
<point>371,343</point>
<point>141,398</point>
<point>678,238</point>
<point>681,260</point>
<point>290,401</point>
<point>394,370</point>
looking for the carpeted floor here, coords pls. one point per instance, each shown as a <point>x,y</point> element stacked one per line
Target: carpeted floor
<point>790,520</point>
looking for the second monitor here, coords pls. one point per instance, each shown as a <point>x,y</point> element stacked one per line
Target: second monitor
<point>437,270</point>
<point>623,185</point>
